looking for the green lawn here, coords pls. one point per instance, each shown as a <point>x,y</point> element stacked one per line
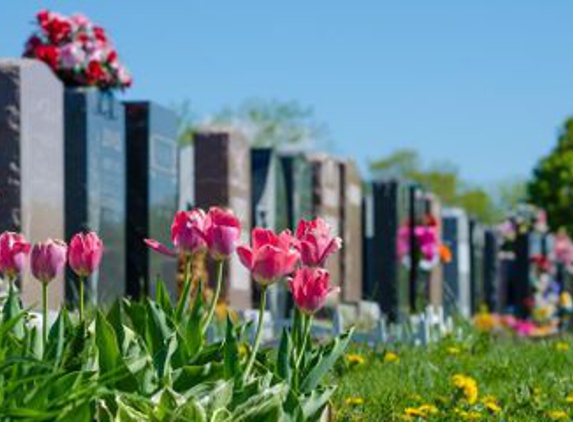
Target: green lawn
<point>517,380</point>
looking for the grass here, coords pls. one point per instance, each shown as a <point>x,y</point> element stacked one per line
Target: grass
<point>516,379</point>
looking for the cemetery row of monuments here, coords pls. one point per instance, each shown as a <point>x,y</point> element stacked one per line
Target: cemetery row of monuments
<point>77,159</point>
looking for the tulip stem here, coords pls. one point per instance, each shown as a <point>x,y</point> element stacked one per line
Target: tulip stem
<point>82,279</point>
<point>45,314</point>
<point>220,266</point>
<point>259,332</point>
<point>306,335</point>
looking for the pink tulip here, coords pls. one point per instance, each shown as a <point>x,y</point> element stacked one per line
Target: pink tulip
<point>13,251</point>
<point>222,232</point>
<point>310,287</point>
<point>187,234</point>
<point>315,242</point>
<point>48,259</point>
<point>271,256</point>
<point>84,253</point>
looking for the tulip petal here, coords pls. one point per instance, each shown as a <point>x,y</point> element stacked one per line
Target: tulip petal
<point>159,247</point>
<point>245,256</point>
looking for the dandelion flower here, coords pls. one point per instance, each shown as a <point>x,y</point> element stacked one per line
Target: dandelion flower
<point>354,401</point>
<point>355,359</point>
<point>558,415</point>
<point>561,346</point>
<point>468,386</point>
<point>391,357</point>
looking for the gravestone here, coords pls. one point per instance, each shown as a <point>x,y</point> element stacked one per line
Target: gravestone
<point>151,132</point>
<point>269,210</point>
<point>436,276</point>
<point>95,162</point>
<point>186,197</point>
<point>327,205</point>
<point>391,273</point>
<point>419,279</point>
<point>351,231</point>
<point>457,272</point>
<point>491,269</point>
<point>477,265</point>
<point>223,178</point>
<point>299,188</point>
<point>32,161</point>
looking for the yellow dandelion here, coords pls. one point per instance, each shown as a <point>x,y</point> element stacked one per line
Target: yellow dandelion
<point>422,411</point>
<point>561,346</point>
<point>569,398</point>
<point>468,415</point>
<point>391,357</point>
<point>468,386</point>
<point>355,359</point>
<point>491,405</point>
<point>484,321</point>
<point>453,351</point>
<point>354,401</point>
<point>558,415</point>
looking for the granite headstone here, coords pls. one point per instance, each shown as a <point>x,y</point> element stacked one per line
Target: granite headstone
<point>32,161</point>
<point>152,191</point>
<point>223,178</point>
<point>95,162</point>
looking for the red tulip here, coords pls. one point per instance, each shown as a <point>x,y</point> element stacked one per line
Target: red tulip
<point>187,234</point>
<point>84,253</point>
<point>222,232</point>
<point>310,287</point>
<point>13,251</point>
<point>315,242</point>
<point>48,259</point>
<point>271,256</point>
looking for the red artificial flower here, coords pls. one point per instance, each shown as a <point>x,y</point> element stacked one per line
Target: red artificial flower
<point>99,34</point>
<point>95,72</point>
<point>43,17</point>
<point>48,54</point>
<point>112,56</point>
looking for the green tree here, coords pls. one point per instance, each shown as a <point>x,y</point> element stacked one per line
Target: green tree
<point>440,178</point>
<point>551,186</point>
<point>276,123</point>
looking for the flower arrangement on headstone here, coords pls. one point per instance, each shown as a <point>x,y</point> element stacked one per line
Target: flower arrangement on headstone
<point>77,50</point>
<point>428,250</point>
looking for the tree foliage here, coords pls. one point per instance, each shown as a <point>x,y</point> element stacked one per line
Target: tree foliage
<point>440,178</point>
<point>551,186</point>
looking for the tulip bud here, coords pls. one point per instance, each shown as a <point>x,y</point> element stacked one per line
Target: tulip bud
<point>310,287</point>
<point>222,232</point>
<point>315,242</point>
<point>187,234</point>
<point>84,253</point>
<point>13,251</point>
<point>271,256</point>
<point>48,259</point>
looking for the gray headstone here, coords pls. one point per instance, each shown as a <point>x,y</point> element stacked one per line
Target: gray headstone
<point>32,160</point>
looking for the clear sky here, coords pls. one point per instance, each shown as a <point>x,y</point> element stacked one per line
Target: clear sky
<point>484,83</point>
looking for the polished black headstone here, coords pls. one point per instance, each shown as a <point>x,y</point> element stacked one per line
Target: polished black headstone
<point>491,270</point>
<point>299,188</point>
<point>477,266</point>
<point>390,286</point>
<point>152,191</point>
<point>95,183</point>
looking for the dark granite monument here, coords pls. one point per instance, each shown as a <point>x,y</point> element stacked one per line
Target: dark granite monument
<point>326,204</point>
<point>491,269</point>
<point>388,273</point>
<point>151,132</point>
<point>32,161</point>
<point>351,231</point>
<point>223,178</point>
<point>457,288</point>
<point>299,188</point>
<point>269,210</point>
<point>95,161</point>
<point>477,265</point>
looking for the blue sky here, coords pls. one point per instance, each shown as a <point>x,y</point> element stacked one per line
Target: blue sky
<point>485,84</point>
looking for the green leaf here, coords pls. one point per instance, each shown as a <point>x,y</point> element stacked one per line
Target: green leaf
<point>283,366</point>
<point>12,308</point>
<point>327,361</point>
<point>163,299</point>
<point>157,329</point>
<point>191,411</point>
<point>314,404</point>
<point>231,353</point>
<point>167,405</point>
<point>191,375</point>
<point>184,300</point>
<point>56,339</point>
<point>263,407</point>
